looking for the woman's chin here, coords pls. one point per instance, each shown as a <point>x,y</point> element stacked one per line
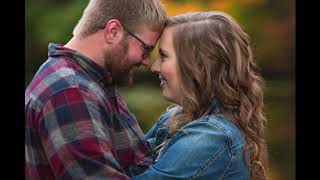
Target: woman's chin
<point>167,97</point>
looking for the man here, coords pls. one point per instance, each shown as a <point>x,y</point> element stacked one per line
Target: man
<point>77,126</point>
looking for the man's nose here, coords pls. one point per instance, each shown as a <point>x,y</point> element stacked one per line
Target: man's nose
<point>146,62</point>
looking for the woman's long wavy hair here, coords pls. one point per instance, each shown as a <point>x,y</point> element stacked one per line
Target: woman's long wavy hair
<point>215,60</point>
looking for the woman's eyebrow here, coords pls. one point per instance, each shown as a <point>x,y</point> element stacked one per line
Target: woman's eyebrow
<point>163,51</point>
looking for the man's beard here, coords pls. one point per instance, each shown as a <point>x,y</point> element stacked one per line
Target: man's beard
<point>118,64</point>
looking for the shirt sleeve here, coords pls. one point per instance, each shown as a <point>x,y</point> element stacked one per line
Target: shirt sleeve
<point>77,137</point>
<point>200,149</point>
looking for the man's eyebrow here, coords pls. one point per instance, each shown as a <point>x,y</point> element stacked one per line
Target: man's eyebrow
<point>149,45</point>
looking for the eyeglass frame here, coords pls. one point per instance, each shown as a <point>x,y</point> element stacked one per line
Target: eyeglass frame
<point>147,49</point>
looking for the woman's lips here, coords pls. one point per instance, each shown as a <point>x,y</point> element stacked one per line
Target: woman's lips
<point>162,81</point>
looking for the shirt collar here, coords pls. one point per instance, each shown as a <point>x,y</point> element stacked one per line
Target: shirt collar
<point>95,71</point>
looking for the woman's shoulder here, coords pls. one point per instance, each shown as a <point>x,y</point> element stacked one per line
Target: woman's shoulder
<point>217,127</point>
<point>206,147</point>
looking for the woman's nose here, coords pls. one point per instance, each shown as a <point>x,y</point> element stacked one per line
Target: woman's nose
<point>155,67</point>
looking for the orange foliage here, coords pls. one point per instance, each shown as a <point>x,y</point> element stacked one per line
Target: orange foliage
<point>174,8</point>
<point>221,5</point>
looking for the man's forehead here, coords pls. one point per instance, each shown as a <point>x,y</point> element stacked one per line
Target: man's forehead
<point>150,37</point>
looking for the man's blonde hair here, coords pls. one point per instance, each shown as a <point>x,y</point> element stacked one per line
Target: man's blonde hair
<point>131,13</point>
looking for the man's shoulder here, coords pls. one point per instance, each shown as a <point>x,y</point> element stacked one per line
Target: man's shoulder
<point>54,76</point>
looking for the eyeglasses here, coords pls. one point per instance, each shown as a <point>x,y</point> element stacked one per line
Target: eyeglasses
<point>146,49</point>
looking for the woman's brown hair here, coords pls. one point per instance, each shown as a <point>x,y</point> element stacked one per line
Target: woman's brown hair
<point>215,60</point>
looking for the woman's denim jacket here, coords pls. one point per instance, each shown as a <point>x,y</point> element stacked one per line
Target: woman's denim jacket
<point>210,147</point>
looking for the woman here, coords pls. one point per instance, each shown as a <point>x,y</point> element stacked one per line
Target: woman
<point>216,130</point>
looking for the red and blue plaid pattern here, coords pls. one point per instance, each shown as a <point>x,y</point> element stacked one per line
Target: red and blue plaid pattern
<point>77,126</point>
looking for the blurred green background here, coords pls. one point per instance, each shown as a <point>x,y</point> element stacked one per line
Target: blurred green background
<point>270,23</point>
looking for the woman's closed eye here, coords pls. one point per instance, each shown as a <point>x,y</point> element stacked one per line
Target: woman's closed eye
<point>162,55</point>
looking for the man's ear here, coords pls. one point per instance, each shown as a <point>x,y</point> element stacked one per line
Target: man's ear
<point>113,32</point>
